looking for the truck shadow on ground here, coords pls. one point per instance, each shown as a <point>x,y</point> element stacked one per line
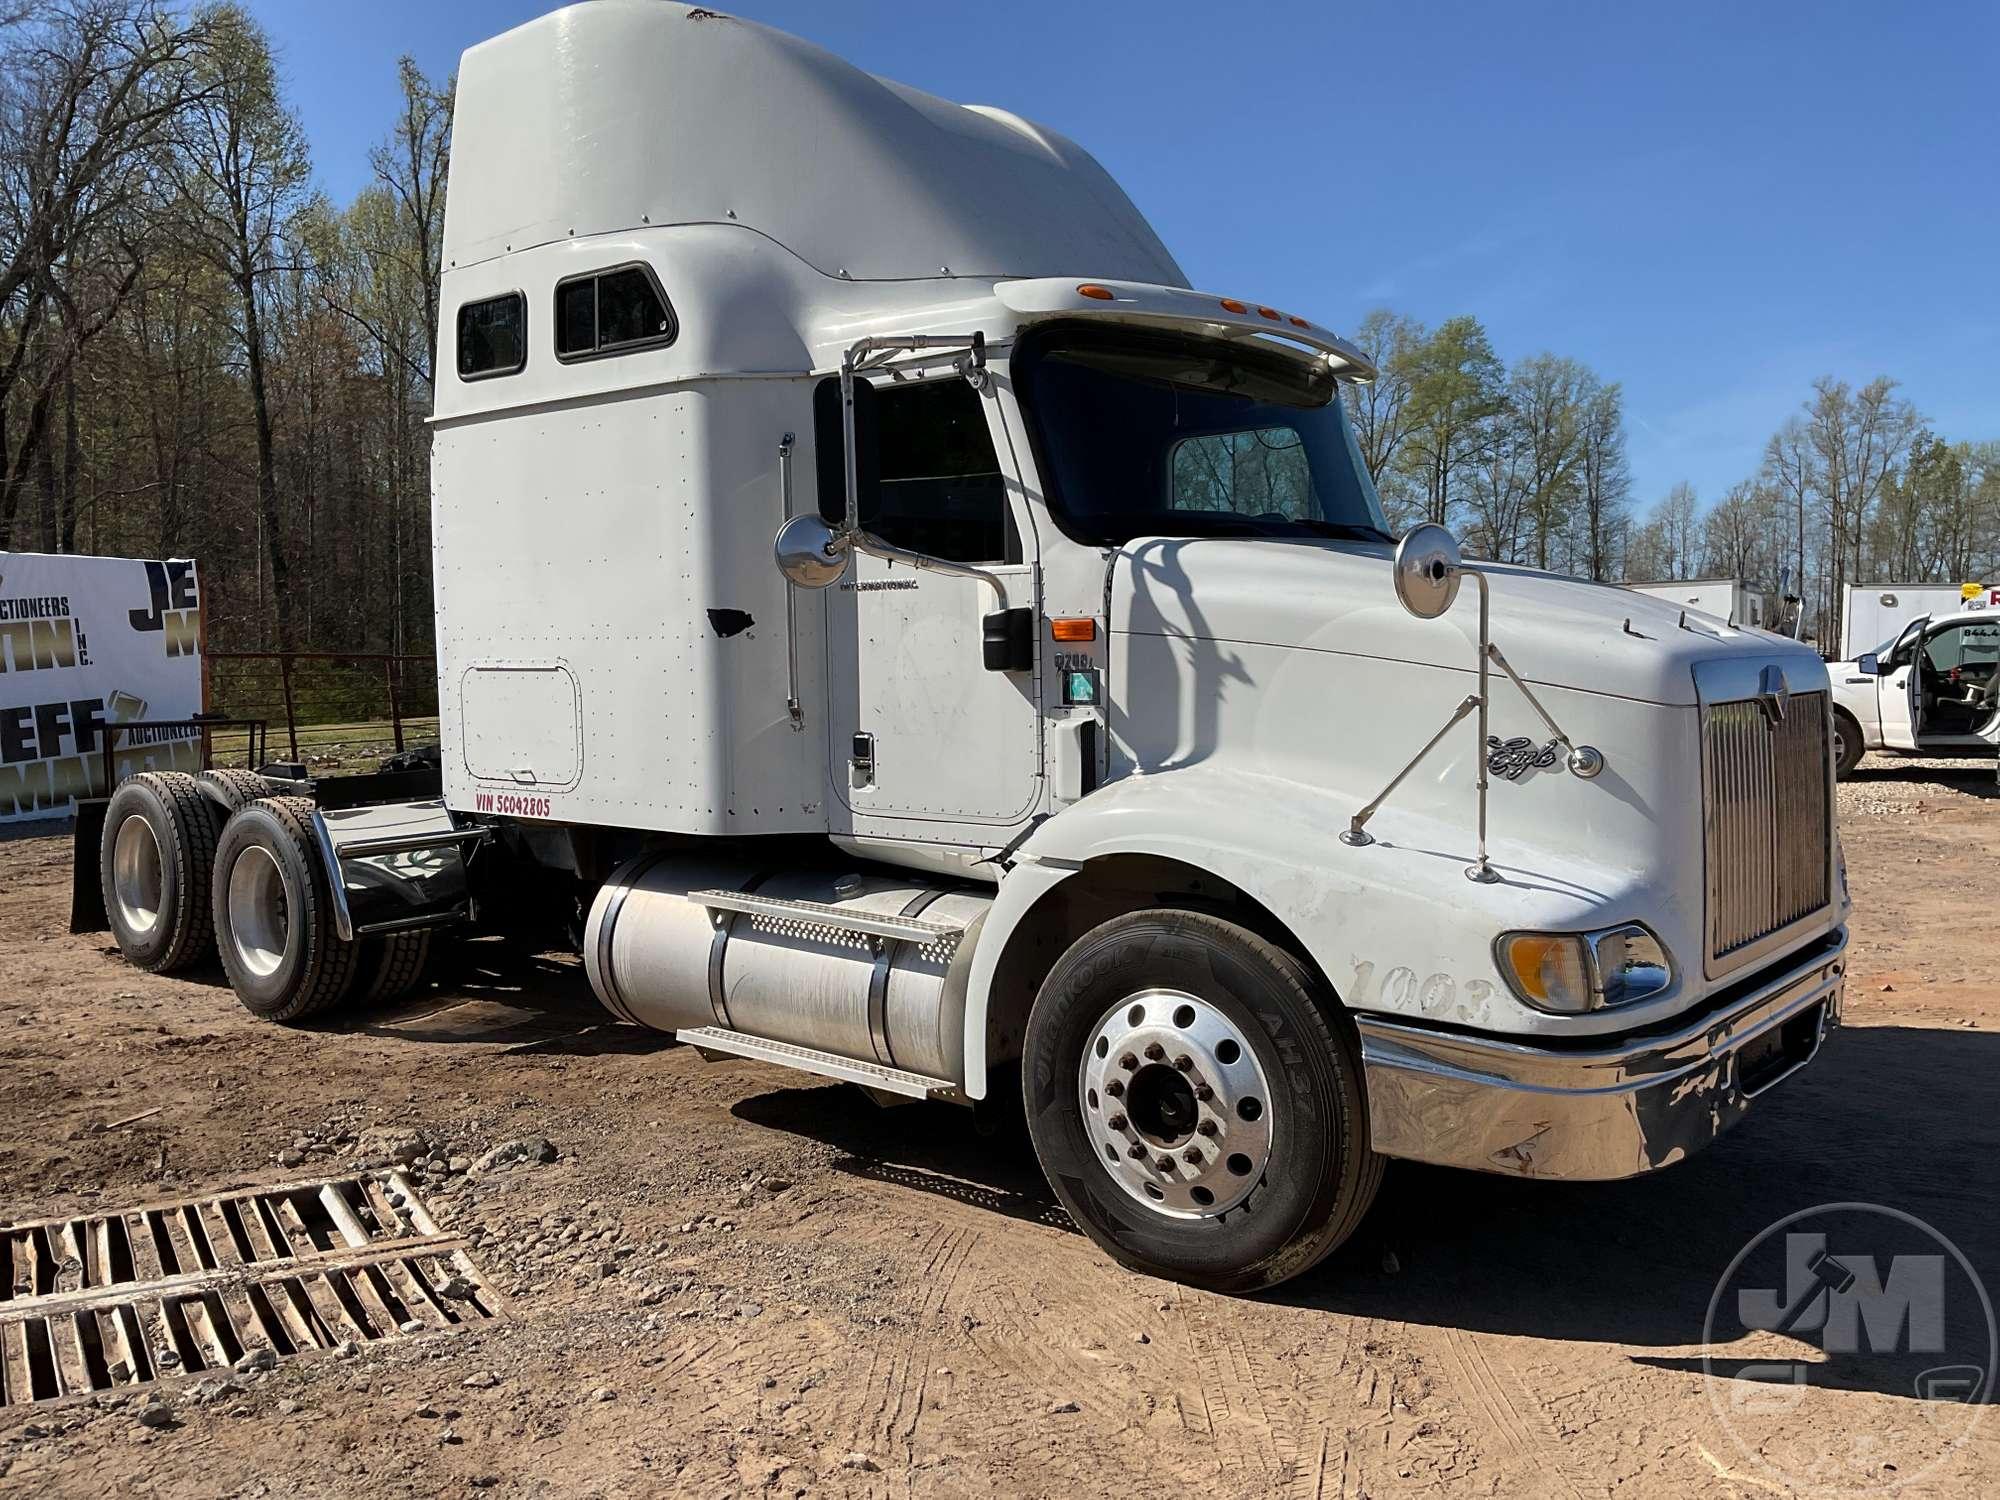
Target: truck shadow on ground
<point>981,1159</point>
<point>1890,1115</point>
<point>494,992</point>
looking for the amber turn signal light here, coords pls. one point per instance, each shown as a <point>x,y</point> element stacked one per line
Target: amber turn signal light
<point>1092,289</point>
<point>1073,630</point>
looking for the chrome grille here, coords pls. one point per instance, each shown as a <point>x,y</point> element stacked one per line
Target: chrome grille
<point>1769,818</point>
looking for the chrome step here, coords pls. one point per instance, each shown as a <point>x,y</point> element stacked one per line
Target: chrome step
<point>714,1039</point>
<point>943,936</point>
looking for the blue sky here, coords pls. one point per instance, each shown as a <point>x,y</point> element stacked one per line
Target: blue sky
<point>1710,203</point>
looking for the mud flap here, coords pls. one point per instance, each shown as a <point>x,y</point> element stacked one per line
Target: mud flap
<point>86,881</point>
<point>395,867</point>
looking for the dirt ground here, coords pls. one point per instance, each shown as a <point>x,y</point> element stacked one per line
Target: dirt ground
<point>737,1281</point>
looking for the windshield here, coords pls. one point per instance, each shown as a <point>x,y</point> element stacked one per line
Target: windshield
<point>1166,434</point>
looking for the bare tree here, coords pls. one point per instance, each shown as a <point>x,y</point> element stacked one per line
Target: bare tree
<point>1380,410</point>
<point>243,177</point>
<point>1606,480</point>
<point>1789,471</point>
<point>1857,439</point>
<point>88,91</point>
<point>1736,534</point>
<point>1666,548</point>
<point>1545,401</point>
<point>1500,487</point>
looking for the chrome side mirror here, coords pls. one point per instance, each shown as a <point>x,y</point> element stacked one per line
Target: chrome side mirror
<point>809,552</point>
<point>1427,570</point>
<point>1869,664</point>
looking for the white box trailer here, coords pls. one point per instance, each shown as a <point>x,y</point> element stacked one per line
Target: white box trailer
<point>1872,615</point>
<point>936,647</point>
<point>1730,600</point>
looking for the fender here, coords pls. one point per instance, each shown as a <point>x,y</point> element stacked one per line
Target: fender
<point>1394,927</point>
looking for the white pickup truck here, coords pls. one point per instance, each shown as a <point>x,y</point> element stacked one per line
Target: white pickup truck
<point>934,646</point>
<point>1931,690</point>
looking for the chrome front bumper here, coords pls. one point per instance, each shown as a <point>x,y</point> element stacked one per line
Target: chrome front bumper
<point>1597,1110</point>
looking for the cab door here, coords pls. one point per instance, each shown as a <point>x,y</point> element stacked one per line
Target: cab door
<point>1960,660</point>
<point>1899,688</point>
<point>921,733</point>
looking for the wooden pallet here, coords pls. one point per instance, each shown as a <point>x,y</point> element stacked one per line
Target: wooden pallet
<point>111,1301</point>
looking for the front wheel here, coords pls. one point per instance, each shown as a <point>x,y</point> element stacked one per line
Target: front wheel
<point>1848,746</point>
<point>1196,1102</point>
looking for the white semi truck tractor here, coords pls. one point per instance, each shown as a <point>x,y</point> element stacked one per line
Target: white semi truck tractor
<point>933,646</point>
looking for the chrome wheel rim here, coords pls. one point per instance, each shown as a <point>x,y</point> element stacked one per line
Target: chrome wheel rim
<point>1839,744</point>
<point>1177,1104</point>
<point>137,880</point>
<point>259,911</point>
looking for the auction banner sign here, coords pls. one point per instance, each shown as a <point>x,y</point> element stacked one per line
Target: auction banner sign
<point>88,644</point>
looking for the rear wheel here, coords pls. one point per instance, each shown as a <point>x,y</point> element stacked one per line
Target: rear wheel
<point>1196,1102</point>
<point>1848,746</point>
<point>154,864</point>
<point>274,914</point>
<point>392,965</point>
<point>233,789</point>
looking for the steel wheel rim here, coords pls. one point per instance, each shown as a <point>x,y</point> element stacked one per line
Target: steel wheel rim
<point>1176,1103</point>
<point>1839,743</point>
<point>138,882</point>
<point>259,912</point>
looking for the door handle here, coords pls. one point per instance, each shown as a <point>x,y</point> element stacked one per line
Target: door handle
<point>861,762</point>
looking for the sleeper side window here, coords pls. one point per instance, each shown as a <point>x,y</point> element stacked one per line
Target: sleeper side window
<point>612,312</point>
<point>941,489</point>
<point>492,337</point>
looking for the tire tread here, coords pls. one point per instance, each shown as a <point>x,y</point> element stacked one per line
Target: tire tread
<point>236,788</point>
<point>1350,1176</point>
<point>328,967</point>
<point>188,860</point>
<point>398,964</point>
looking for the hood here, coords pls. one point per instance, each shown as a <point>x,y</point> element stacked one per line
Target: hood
<point>1338,597</point>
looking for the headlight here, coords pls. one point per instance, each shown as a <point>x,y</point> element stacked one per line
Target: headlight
<point>1568,973</point>
<point>1630,963</point>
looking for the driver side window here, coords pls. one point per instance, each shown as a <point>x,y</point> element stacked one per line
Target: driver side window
<point>941,491</point>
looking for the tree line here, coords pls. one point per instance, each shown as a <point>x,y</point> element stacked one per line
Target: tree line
<point>200,355</point>
<point>1856,487</point>
<point>1528,463</point>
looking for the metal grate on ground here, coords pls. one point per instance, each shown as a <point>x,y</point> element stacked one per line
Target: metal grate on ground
<point>112,1301</point>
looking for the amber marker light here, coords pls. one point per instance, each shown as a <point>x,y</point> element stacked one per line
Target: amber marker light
<point>1073,630</point>
<point>1230,304</point>
<point>1093,290</point>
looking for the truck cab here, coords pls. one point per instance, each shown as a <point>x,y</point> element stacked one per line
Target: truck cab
<point>940,648</point>
<point>1931,690</point>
